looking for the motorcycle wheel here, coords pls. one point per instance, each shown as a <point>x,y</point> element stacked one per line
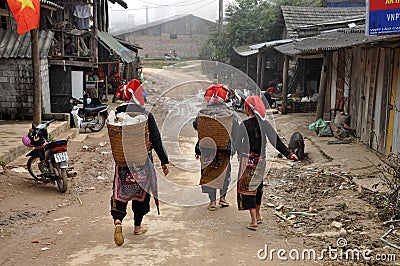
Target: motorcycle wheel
<point>33,167</point>
<point>99,126</point>
<point>62,181</point>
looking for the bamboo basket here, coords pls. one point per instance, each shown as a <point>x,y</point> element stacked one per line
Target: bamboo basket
<point>129,142</point>
<point>215,124</point>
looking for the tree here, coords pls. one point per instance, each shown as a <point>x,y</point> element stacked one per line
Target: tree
<point>248,22</point>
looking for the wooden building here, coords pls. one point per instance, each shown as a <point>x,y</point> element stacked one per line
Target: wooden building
<point>299,22</point>
<point>363,70</point>
<point>76,51</point>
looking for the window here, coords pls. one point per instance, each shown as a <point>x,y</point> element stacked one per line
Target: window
<point>173,36</point>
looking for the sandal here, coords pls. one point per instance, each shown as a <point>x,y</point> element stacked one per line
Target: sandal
<point>118,236</point>
<point>252,227</point>
<point>211,208</point>
<point>259,221</point>
<point>223,203</point>
<point>141,231</point>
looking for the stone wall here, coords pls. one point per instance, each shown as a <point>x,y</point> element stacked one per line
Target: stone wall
<point>186,47</point>
<point>16,88</point>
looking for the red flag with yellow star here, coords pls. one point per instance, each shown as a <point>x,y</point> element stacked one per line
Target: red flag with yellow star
<point>26,13</point>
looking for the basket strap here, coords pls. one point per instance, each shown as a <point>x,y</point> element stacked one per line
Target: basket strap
<point>115,130</point>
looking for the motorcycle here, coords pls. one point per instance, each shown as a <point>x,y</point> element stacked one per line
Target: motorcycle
<point>90,113</point>
<point>239,99</point>
<point>48,161</point>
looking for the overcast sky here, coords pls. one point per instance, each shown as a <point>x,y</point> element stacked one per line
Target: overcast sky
<point>160,9</point>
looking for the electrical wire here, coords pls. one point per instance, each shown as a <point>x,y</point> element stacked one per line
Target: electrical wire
<point>166,5</point>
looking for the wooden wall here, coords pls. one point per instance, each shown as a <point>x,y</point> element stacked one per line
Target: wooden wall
<point>357,91</point>
<point>370,83</point>
<point>394,119</point>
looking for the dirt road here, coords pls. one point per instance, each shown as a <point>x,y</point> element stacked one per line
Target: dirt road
<point>40,226</point>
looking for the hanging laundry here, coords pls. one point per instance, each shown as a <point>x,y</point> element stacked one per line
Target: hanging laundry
<point>82,15</point>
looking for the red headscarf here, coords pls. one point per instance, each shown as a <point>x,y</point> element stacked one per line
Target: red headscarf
<point>217,93</point>
<point>256,104</point>
<point>133,92</point>
<point>271,90</point>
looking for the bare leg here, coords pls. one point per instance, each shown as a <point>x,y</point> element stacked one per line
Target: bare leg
<point>258,215</point>
<point>138,229</point>
<point>253,215</point>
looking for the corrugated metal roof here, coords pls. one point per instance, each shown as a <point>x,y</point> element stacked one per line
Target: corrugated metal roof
<point>247,53</point>
<point>296,16</point>
<point>331,41</point>
<point>269,44</point>
<point>126,55</point>
<point>340,39</point>
<point>51,4</point>
<point>287,49</point>
<point>133,47</point>
<point>156,23</point>
<point>244,52</point>
<point>13,45</point>
<point>253,49</point>
<point>120,2</point>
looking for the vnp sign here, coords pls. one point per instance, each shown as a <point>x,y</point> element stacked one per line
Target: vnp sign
<point>383,17</point>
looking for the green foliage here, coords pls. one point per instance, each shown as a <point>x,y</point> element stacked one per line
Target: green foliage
<point>390,199</point>
<point>2,163</point>
<point>248,22</point>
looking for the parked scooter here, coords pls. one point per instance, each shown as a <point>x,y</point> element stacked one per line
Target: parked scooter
<point>48,161</point>
<point>90,113</point>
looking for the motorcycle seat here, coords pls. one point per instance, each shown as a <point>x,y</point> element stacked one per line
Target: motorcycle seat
<point>95,109</point>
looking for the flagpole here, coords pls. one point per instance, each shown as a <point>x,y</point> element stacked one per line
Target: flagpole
<point>37,90</point>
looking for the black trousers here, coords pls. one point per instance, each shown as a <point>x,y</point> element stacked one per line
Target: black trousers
<point>140,209</point>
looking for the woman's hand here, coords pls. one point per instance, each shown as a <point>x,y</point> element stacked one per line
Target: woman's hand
<point>165,168</point>
<point>148,146</point>
<point>292,156</point>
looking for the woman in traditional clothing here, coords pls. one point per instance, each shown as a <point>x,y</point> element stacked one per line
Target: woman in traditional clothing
<point>251,145</point>
<point>216,166</point>
<point>134,183</point>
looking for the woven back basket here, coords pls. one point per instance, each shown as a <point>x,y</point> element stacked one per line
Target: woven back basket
<point>215,124</point>
<point>129,142</point>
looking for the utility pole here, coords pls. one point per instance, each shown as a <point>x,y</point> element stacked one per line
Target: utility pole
<point>220,15</point>
<point>147,14</point>
<point>37,88</point>
<point>95,44</point>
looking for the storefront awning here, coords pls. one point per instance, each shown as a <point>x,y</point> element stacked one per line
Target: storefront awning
<point>110,42</point>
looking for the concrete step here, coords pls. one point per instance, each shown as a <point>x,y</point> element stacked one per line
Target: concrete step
<point>13,148</point>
